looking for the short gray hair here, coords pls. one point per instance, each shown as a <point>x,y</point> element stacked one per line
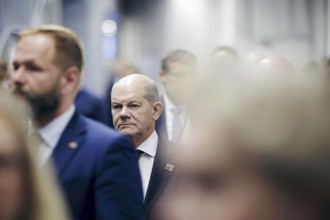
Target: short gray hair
<point>151,92</point>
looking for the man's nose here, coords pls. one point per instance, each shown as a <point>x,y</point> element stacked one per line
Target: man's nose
<point>124,113</point>
<point>18,77</point>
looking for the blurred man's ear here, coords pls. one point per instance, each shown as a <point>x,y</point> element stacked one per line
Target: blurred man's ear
<point>70,81</point>
<point>162,76</point>
<point>157,110</point>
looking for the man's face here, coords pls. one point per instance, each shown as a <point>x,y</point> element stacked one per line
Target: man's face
<point>34,76</point>
<point>133,115</point>
<point>177,80</point>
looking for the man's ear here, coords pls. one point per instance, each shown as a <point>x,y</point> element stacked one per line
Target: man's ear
<point>70,80</point>
<point>157,110</point>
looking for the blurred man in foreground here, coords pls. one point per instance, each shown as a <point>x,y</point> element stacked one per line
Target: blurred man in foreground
<point>96,167</point>
<point>265,154</point>
<point>177,71</point>
<point>135,109</point>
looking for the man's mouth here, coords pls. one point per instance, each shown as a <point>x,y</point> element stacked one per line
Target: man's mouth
<point>125,124</point>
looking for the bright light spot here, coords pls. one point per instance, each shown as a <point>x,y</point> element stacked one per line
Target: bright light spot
<point>109,28</point>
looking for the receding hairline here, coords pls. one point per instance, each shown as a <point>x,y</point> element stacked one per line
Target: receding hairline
<point>57,33</point>
<point>151,92</point>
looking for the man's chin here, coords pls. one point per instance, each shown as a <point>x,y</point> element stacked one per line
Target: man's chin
<point>126,131</point>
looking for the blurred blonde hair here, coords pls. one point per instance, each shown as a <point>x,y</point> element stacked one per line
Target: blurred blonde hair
<point>43,199</point>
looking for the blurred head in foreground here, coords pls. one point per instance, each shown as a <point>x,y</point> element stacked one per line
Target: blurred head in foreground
<point>25,192</point>
<point>261,152</point>
<point>178,68</point>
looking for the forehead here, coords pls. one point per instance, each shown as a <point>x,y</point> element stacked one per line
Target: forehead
<point>181,68</point>
<point>128,92</point>
<point>36,46</point>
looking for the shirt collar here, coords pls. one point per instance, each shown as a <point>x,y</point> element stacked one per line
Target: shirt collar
<point>149,146</point>
<point>169,105</point>
<point>51,133</point>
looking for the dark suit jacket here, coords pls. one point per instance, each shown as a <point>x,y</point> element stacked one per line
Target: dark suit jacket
<point>91,106</point>
<point>98,172</point>
<point>159,175</point>
<point>161,122</point>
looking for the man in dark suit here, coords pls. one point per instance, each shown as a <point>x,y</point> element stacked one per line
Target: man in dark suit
<point>96,167</point>
<point>135,109</point>
<point>90,106</point>
<point>177,69</point>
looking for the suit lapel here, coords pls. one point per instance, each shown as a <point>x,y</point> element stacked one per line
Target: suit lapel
<point>159,176</point>
<point>69,143</point>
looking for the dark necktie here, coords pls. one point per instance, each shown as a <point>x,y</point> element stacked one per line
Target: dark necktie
<point>139,153</point>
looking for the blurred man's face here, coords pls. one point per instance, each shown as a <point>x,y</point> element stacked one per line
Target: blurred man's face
<point>177,80</point>
<point>34,76</point>
<point>214,183</point>
<point>12,191</point>
<point>133,115</point>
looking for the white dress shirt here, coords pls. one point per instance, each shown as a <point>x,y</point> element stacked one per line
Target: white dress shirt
<point>51,134</point>
<point>184,119</point>
<point>147,158</point>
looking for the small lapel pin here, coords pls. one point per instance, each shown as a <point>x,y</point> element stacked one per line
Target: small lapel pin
<point>73,145</point>
<point>169,167</point>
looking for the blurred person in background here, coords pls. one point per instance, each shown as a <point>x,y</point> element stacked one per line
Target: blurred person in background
<point>96,167</point>
<point>120,70</point>
<point>26,193</point>
<point>262,153</point>
<point>90,106</point>
<point>251,60</point>
<point>224,55</point>
<point>178,68</point>
<point>275,65</point>
<point>135,108</point>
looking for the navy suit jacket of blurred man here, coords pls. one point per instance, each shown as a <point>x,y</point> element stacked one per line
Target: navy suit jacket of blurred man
<point>91,106</point>
<point>98,171</point>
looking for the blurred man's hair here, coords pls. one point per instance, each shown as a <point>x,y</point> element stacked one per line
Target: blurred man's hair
<point>178,56</point>
<point>228,49</point>
<point>68,47</point>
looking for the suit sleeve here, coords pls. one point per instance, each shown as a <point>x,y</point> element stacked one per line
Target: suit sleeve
<point>118,193</point>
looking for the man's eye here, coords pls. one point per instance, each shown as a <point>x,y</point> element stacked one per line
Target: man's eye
<point>134,106</point>
<point>33,68</point>
<point>16,67</point>
<point>116,107</point>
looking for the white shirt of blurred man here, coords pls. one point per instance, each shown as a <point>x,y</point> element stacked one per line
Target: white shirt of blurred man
<point>135,109</point>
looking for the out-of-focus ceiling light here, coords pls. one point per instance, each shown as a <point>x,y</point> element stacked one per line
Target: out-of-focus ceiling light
<point>109,28</point>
